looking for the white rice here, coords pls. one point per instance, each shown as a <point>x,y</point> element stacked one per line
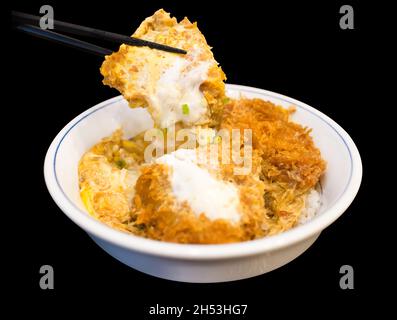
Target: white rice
<point>312,205</point>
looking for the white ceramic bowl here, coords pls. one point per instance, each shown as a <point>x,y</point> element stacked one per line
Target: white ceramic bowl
<point>200,263</point>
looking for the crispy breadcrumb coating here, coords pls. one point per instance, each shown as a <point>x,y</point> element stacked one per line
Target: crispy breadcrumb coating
<point>287,149</point>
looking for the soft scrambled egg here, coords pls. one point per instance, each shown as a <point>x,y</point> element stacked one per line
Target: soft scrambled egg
<point>106,190</point>
<point>174,87</point>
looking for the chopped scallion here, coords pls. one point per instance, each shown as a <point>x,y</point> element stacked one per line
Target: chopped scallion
<point>120,163</point>
<point>226,100</point>
<point>185,109</point>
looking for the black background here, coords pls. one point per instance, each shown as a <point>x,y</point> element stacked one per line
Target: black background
<point>295,48</point>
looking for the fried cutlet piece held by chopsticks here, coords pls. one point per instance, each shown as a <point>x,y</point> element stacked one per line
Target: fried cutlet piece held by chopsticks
<point>174,87</point>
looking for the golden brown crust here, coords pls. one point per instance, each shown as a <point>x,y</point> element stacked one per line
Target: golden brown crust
<point>287,149</point>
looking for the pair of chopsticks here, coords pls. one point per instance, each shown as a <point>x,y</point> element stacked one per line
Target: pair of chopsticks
<point>28,23</point>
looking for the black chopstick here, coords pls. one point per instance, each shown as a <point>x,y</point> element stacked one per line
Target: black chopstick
<point>94,33</point>
<point>65,40</point>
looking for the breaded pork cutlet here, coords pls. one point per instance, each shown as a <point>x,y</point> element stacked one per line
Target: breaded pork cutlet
<point>180,200</point>
<point>174,87</point>
<point>287,149</point>
<point>291,164</point>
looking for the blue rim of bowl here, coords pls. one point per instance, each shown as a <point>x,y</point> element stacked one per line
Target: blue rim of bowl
<point>195,248</point>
